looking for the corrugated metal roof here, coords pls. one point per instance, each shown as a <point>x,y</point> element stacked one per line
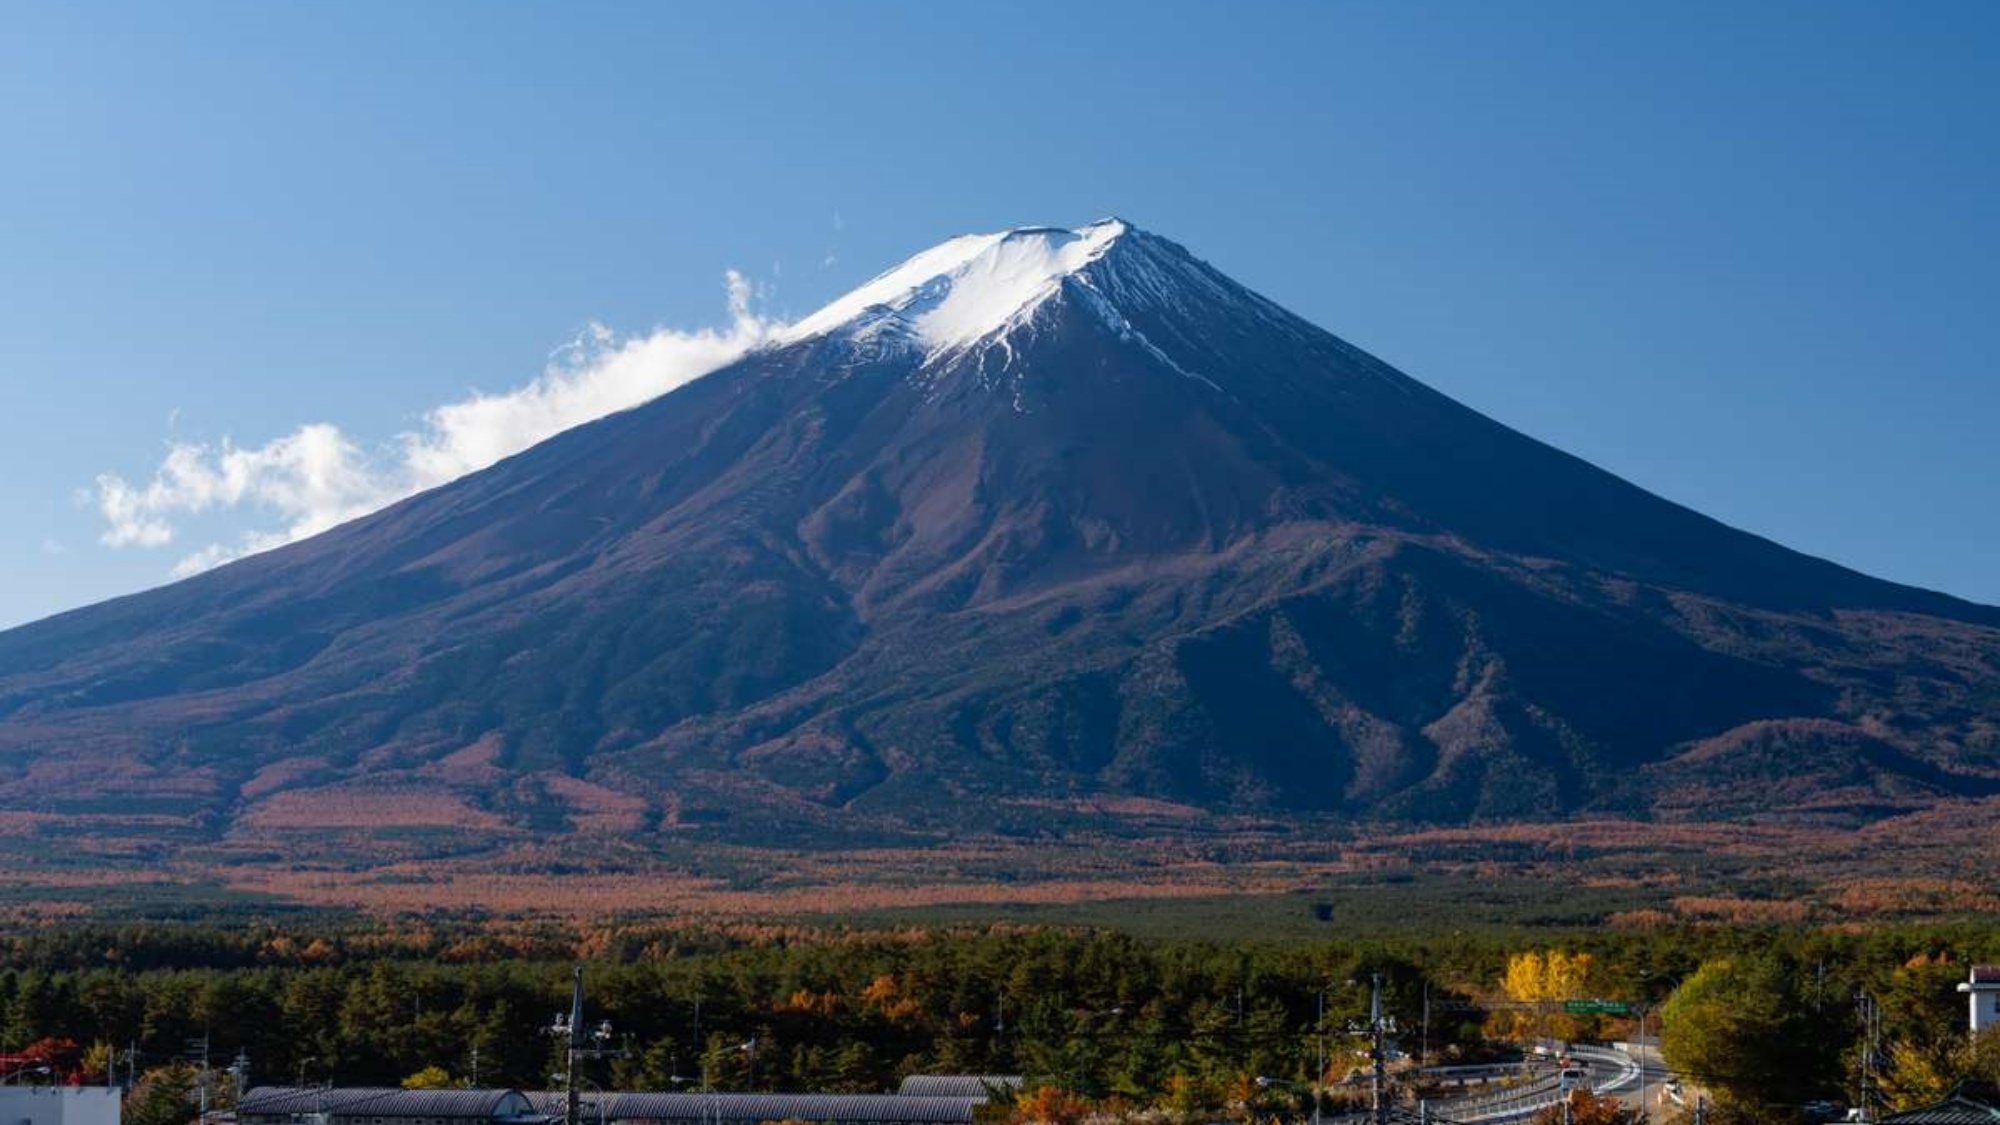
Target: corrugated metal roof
<point>887,1108</point>
<point>384,1101</point>
<point>279,1101</point>
<point>981,1086</point>
<point>452,1103</point>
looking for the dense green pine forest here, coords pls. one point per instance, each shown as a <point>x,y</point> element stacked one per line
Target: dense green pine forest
<point>1763,1017</point>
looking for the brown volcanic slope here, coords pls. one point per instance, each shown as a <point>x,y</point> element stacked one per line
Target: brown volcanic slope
<point>1158,539</point>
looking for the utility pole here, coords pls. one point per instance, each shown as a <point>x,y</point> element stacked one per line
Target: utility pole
<point>571,1105</point>
<point>199,1047</point>
<point>700,1048</point>
<point>1378,1110</point>
<point>1376,1031</point>
<point>571,1030</point>
<point>1424,1044</point>
<point>1871,1034</point>
<point>1319,1038</point>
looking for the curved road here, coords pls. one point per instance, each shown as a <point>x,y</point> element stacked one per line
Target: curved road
<point>1610,1070</point>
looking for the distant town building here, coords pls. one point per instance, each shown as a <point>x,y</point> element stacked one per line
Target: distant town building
<point>1983,989</point>
<point>59,1105</point>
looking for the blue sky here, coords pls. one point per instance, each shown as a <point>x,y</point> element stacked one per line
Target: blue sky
<point>1745,256</point>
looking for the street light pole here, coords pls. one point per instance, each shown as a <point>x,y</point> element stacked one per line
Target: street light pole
<point>1643,1114</point>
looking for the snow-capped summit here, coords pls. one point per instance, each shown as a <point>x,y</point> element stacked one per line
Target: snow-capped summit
<point>1093,519</point>
<point>962,290</point>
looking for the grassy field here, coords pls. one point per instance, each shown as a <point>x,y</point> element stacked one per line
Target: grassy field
<point>1286,883</point>
<point>1418,903</point>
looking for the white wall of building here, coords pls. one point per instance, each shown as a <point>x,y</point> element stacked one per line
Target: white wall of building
<point>58,1105</point>
<point>1985,1009</point>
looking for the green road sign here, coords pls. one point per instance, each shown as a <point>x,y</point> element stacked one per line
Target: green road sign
<point>1597,1007</point>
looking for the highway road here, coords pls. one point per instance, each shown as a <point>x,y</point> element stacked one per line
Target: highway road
<point>1613,1070</point>
<point>1609,1070</point>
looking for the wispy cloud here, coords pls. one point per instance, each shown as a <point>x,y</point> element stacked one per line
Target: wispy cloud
<point>832,258</point>
<point>316,476</point>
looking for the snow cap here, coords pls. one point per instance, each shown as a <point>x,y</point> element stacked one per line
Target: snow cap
<point>963,290</point>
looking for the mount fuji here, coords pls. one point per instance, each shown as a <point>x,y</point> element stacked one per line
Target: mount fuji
<point>1034,517</point>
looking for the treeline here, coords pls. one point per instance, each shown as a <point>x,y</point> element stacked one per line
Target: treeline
<point>1100,1014</point>
<point>1105,1012</point>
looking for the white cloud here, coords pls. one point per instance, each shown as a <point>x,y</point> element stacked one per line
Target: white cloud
<point>317,477</point>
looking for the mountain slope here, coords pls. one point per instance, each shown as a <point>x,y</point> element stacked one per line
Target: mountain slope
<point>1035,515</point>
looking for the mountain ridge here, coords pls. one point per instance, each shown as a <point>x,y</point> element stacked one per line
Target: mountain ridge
<point>1116,526</point>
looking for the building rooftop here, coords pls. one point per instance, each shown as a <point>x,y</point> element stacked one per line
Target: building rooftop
<point>385,1101</point>
<point>541,1105</point>
<point>1971,1104</point>
<point>980,1086</point>
<point>889,1109</point>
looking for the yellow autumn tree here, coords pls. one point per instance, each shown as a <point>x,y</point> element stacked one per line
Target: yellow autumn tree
<point>879,992</point>
<point>886,997</point>
<point>1916,1077</point>
<point>810,1003</point>
<point>1543,978</point>
<point>429,1078</point>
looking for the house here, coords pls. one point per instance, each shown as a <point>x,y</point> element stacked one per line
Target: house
<point>1983,989</point>
<point>59,1105</point>
<point>1973,1103</point>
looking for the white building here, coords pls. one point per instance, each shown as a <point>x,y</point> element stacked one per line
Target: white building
<point>58,1105</point>
<point>1983,989</point>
